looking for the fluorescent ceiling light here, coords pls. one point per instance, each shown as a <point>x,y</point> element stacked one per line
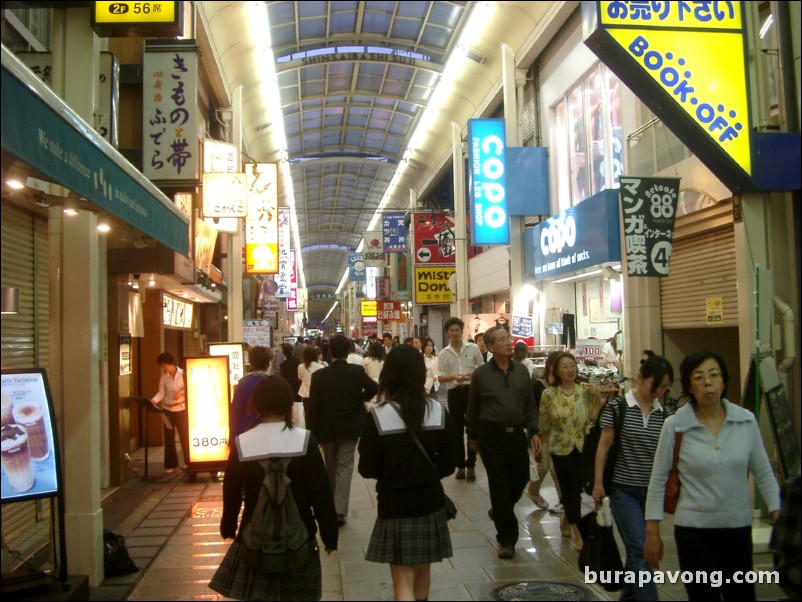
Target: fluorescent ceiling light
<point>578,277</point>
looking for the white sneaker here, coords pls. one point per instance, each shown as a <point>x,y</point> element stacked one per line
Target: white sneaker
<point>539,500</point>
<point>558,509</point>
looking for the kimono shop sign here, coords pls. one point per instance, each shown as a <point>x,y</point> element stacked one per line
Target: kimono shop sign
<point>650,207</point>
<point>170,121</point>
<point>389,311</point>
<point>435,285</point>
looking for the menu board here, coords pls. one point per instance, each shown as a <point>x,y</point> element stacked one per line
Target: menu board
<point>207,406</point>
<point>29,445</point>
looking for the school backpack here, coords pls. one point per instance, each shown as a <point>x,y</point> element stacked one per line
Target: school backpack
<point>275,540</point>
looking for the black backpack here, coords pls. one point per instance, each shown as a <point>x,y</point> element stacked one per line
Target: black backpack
<point>275,540</point>
<point>588,472</point>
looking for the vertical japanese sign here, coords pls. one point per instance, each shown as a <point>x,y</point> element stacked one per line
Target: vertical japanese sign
<point>205,240</point>
<point>292,300</point>
<point>394,232</point>
<point>486,157</point>
<point>356,267</point>
<point>649,206</point>
<point>261,225</point>
<point>170,121</point>
<point>373,253</point>
<point>282,278</point>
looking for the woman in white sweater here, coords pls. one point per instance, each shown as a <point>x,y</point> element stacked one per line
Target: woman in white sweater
<point>720,446</point>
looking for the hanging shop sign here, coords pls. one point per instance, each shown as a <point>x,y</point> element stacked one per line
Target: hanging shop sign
<point>207,408</point>
<point>400,289</point>
<point>224,195</point>
<point>373,253</point>
<point>292,299</point>
<point>435,285</point>
<point>356,267</point>
<point>523,329</point>
<point>488,189</point>
<point>394,232</point>
<point>282,278</point>
<point>220,157</point>
<point>389,311</point>
<point>138,19</point>
<point>169,112</point>
<point>649,206</point>
<point>176,313</point>
<point>688,63</point>
<point>261,225</point>
<point>205,240</point>
<point>257,332</point>
<point>368,309</point>
<point>583,236</point>
<point>435,238</point>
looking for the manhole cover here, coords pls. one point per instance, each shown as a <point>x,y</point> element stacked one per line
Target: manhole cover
<point>541,590</point>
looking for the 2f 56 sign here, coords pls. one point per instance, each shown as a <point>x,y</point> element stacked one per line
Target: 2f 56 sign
<point>486,154</point>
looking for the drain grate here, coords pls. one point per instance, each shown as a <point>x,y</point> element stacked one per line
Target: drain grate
<point>542,590</point>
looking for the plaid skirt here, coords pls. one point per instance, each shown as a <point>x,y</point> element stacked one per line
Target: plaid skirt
<point>413,540</point>
<point>235,579</point>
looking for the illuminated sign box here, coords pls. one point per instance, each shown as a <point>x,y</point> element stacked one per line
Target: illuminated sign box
<point>176,313</point>
<point>435,285</point>
<point>487,162</point>
<point>368,308</point>
<point>207,406</point>
<point>236,360</point>
<point>138,19</point>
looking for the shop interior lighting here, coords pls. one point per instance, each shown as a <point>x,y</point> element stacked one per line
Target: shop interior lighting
<point>16,177</point>
<point>151,282</point>
<point>577,277</point>
<point>70,207</point>
<point>103,224</point>
<point>9,300</point>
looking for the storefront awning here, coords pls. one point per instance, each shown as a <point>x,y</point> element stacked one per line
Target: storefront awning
<point>41,130</point>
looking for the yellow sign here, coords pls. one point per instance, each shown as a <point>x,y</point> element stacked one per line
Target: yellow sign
<point>695,52</point>
<point>207,408</point>
<point>261,258</point>
<point>113,13</point>
<point>368,308</point>
<point>435,285</point>
<point>714,310</point>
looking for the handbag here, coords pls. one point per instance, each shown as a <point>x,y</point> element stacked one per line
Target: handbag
<point>672,484</point>
<point>599,550</point>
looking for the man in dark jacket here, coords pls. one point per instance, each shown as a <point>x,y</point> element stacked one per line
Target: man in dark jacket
<point>337,397</point>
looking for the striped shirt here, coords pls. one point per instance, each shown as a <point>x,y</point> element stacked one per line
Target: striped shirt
<point>637,441</point>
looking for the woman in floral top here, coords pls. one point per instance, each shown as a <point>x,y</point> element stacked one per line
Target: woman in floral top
<point>567,409</point>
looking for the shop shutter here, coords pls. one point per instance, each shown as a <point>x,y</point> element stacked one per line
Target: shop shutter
<point>702,266</point>
<point>25,343</point>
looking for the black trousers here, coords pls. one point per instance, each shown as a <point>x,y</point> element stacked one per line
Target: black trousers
<point>180,422</point>
<point>506,460</point>
<point>709,550</point>
<point>569,469</point>
<point>457,407</point>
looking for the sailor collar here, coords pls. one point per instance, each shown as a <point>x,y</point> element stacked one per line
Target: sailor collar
<point>272,440</point>
<point>389,422</point>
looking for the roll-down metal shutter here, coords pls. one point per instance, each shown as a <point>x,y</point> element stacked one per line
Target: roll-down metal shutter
<point>25,342</point>
<point>702,266</point>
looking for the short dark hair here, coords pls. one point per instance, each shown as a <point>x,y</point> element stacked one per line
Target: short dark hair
<point>451,321</point>
<point>520,350</point>
<point>273,396</point>
<point>490,335</point>
<point>165,358</point>
<point>387,335</point>
<point>477,336</point>
<point>259,357</point>
<point>692,361</point>
<point>338,346</point>
<point>656,366</point>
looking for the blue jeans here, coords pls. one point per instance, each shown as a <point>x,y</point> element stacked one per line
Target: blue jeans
<point>628,504</point>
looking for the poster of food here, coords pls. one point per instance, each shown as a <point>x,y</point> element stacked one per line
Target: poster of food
<point>29,450</point>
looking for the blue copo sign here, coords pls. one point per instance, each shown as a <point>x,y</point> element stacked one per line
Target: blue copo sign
<point>486,154</point>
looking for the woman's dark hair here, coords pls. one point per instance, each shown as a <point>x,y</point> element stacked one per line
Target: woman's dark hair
<point>376,351</point>
<point>401,380</point>
<point>310,354</point>
<point>692,361</point>
<point>272,396</point>
<point>555,377</point>
<point>425,342</point>
<point>165,358</point>
<point>520,351</point>
<point>656,366</point>
<point>548,368</point>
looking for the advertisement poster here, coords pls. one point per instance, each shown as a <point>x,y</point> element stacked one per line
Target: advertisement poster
<point>589,350</point>
<point>523,329</point>
<point>394,232</point>
<point>207,406</point>
<point>30,468</point>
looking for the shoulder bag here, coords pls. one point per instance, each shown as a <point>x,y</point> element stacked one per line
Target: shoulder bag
<point>672,484</point>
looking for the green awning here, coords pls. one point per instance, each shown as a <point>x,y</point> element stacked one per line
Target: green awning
<point>41,130</point>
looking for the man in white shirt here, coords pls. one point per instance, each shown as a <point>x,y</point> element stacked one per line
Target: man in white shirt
<point>171,398</point>
<point>455,365</point>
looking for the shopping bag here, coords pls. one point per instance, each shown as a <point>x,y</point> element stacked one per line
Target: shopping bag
<point>599,550</point>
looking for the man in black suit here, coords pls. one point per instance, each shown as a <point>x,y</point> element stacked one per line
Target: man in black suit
<point>337,413</point>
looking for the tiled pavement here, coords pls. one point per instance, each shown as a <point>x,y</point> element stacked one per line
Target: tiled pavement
<point>172,533</point>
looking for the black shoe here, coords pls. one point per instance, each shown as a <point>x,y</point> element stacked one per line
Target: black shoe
<point>470,474</point>
<point>506,552</point>
<point>460,473</point>
<point>340,520</point>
